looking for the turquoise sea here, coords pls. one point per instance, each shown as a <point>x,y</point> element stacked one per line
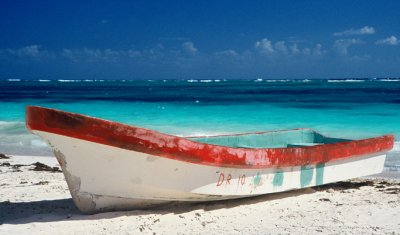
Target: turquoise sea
<point>350,108</point>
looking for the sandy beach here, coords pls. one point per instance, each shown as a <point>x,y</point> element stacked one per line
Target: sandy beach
<point>34,199</point>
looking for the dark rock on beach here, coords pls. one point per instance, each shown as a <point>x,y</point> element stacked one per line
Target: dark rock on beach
<point>343,185</point>
<point>43,167</point>
<point>3,156</point>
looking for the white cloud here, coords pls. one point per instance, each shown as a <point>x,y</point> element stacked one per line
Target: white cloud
<point>359,58</point>
<point>229,53</point>
<point>90,54</point>
<point>264,46</point>
<point>133,53</point>
<point>189,48</point>
<point>155,52</point>
<point>31,52</point>
<point>318,50</point>
<point>159,54</point>
<point>306,51</point>
<point>295,49</point>
<point>392,40</point>
<point>68,53</point>
<point>361,31</point>
<point>342,45</point>
<point>267,47</point>
<point>281,47</point>
<point>85,54</point>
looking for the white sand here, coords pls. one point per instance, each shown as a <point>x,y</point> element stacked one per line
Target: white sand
<point>35,202</point>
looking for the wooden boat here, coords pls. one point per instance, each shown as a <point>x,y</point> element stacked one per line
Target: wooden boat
<point>112,166</point>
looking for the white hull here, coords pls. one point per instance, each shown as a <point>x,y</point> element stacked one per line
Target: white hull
<point>102,177</point>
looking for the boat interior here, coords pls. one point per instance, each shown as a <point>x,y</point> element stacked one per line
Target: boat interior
<point>273,139</point>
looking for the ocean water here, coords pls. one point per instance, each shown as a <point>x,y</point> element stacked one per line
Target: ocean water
<point>349,108</point>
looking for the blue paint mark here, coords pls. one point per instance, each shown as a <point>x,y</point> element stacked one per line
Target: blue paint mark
<point>306,175</point>
<point>278,179</point>
<point>257,179</point>
<point>320,174</point>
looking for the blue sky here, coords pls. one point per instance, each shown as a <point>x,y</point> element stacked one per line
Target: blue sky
<point>199,39</point>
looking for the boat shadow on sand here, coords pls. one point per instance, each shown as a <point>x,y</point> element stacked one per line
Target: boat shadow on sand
<point>65,210</point>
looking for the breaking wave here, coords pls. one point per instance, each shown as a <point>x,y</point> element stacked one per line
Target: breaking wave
<point>15,139</point>
<point>346,80</point>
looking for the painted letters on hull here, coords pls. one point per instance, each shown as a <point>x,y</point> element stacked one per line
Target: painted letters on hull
<point>101,177</point>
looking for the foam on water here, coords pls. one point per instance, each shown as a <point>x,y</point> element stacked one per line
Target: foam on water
<point>15,139</point>
<point>39,144</point>
<point>12,127</point>
<point>345,80</point>
<point>63,80</point>
<point>389,80</point>
<point>279,80</point>
<point>396,146</point>
<point>392,162</point>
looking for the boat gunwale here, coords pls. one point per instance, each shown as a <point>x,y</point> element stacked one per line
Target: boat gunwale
<point>184,149</point>
<point>249,133</point>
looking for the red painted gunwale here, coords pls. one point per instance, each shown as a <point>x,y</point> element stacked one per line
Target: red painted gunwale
<point>182,149</point>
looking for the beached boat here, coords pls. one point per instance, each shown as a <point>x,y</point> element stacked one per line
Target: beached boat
<point>111,166</point>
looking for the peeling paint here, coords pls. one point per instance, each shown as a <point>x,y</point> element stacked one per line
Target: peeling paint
<point>306,175</point>
<point>278,178</point>
<point>184,149</point>
<point>115,184</point>
<point>84,201</point>
<point>257,179</point>
<point>320,174</point>
<point>238,170</point>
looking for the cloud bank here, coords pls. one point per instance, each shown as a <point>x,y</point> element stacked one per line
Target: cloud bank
<point>189,48</point>
<point>182,58</point>
<point>342,45</point>
<point>361,31</point>
<point>392,40</point>
<point>280,48</point>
